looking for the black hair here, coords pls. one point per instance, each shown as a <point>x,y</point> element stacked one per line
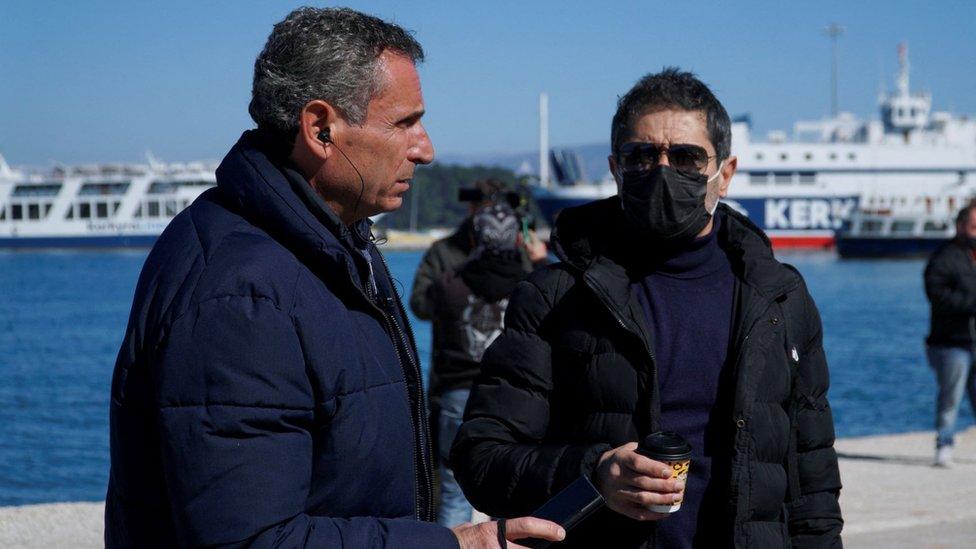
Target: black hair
<point>672,87</point>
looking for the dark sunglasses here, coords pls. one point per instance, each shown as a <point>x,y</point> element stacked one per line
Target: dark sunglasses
<point>638,156</point>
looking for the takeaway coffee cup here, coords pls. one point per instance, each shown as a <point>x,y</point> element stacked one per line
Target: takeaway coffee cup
<point>670,448</point>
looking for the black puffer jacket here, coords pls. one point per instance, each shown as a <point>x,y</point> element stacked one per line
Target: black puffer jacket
<point>573,376</point>
<point>950,284</point>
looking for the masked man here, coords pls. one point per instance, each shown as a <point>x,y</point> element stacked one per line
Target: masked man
<point>669,312</point>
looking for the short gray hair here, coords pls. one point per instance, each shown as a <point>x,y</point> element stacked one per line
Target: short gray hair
<point>329,54</point>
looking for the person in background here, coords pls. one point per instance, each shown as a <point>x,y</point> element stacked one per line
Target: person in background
<point>667,312</point>
<point>268,391</point>
<point>445,256</point>
<point>448,253</point>
<point>950,285</point>
<point>468,305</point>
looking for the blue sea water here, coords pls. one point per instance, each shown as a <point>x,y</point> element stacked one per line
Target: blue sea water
<point>63,314</point>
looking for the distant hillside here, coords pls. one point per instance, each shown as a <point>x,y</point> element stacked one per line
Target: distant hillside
<point>432,200</point>
<point>594,158</point>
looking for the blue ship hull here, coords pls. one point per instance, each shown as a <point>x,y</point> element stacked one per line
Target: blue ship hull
<point>881,247</point>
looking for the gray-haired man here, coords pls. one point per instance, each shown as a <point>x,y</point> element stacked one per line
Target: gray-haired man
<point>268,390</point>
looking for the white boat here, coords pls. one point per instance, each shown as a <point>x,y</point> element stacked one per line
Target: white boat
<point>802,188</point>
<point>96,206</point>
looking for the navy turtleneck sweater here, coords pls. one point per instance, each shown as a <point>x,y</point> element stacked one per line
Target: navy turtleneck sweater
<point>687,299</point>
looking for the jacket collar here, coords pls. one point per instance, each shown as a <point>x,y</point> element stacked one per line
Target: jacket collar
<point>593,238</point>
<point>256,177</point>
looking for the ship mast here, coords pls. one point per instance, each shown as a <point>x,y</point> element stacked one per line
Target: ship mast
<point>544,140</point>
<point>903,89</point>
<point>833,31</point>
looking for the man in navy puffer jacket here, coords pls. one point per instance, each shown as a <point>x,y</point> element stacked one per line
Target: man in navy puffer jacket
<point>267,392</point>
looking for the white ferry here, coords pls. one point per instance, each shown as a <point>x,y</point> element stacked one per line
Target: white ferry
<point>801,189</point>
<point>96,206</point>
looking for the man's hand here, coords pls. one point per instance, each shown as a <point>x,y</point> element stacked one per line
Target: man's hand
<point>534,247</point>
<point>485,535</point>
<point>630,482</point>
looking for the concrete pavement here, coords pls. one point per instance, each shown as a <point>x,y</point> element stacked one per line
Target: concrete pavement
<point>892,498</point>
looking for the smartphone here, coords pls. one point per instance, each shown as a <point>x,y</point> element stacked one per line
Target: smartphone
<point>567,508</point>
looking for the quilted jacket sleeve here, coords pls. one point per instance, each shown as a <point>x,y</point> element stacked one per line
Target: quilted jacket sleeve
<point>236,416</point>
<point>815,517</point>
<point>499,457</point>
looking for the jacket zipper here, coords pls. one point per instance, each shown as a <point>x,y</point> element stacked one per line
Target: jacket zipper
<point>652,421</point>
<point>423,514</point>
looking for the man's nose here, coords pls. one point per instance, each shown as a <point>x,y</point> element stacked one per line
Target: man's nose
<point>662,158</point>
<point>422,151</point>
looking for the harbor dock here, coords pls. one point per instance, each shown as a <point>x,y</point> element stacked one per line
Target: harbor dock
<point>892,498</point>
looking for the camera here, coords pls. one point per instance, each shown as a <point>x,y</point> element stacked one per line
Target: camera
<point>519,202</point>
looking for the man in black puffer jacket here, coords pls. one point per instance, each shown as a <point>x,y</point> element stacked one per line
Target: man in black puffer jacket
<point>668,311</point>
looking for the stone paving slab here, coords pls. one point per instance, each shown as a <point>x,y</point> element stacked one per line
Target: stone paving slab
<point>892,498</point>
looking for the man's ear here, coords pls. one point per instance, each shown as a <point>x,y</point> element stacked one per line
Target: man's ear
<point>728,170</point>
<point>612,162</point>
<point>315,118</point>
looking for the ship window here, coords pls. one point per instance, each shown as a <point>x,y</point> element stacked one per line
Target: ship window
<point>84,210</point>
<point>902,226</point>
<point>759,156</point>
<point>808,177</point>
<point>851,156</point>
<point>833,156</point>
<point>935,227</point>
<point>3,214</point>
<point>46,189</point>
<point>16,212</point>
<point>47,209</point>
<point>71,212</point>
<point>170,208</point>
<point>115,207</point>
<point>33,211</point>
<point>871,226</point>
<point>153,208</point>
<point>101,210</point>
<point>781,178</point>
<point>100,189</point>
<point>783,156</point>
<point>196,183</point>
<point>808,156</point>
<point>759,178</point>
<point>163,187</point>
<point>138,211</point>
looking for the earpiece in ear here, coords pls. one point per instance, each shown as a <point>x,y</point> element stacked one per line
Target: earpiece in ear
<point>325,136</point>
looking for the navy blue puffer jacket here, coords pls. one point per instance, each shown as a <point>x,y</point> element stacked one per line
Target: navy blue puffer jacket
<point>263,396</point>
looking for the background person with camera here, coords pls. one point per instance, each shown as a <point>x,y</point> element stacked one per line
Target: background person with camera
<point>439,288</point>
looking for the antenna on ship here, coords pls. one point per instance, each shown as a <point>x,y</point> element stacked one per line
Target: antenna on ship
<point>5,170</point>
<point>544,139</point>
<point>154,163</point>
<point>903,67</point>
<point>833,31</point>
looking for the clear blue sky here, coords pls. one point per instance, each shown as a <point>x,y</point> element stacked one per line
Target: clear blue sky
<point>105,81</point>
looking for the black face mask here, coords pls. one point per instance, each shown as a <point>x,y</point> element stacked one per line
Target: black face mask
<point>665,205</point>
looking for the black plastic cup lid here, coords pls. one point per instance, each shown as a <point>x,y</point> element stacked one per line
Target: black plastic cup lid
<point>665,445</point>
